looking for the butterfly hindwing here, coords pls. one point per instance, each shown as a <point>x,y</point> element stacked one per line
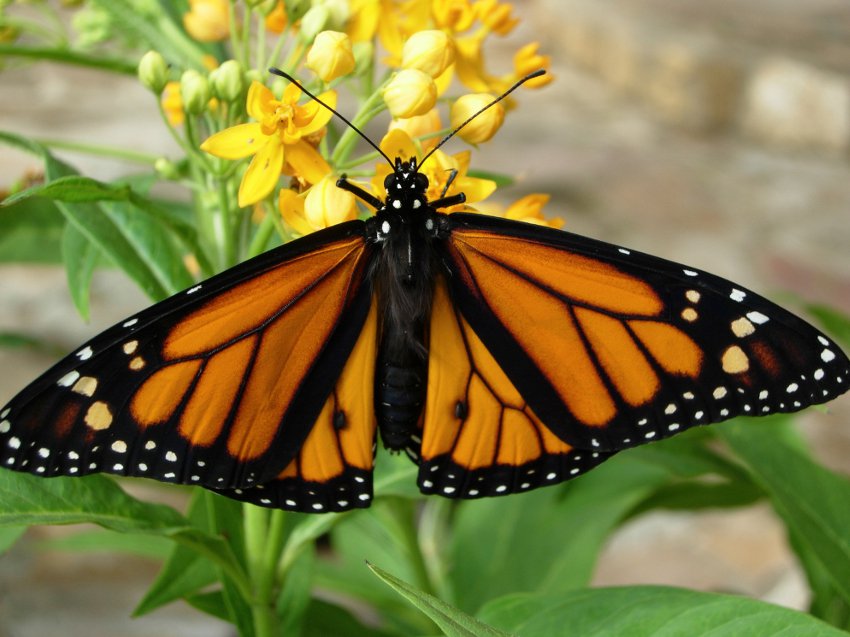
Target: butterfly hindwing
<point>219,385</point>
<point>332,470</point>
<point>480,437</point>
<point>613,348</point>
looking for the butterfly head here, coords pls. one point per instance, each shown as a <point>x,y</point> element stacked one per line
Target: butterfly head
<point>405,187</point>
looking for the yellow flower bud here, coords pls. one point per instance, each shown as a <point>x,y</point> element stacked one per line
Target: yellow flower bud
<point>207,20</point>
<point>153,72</point>
<point>195,91</point>
<point>331,56</point>
<point>172,103</point>
<point>327,205</point>
<point>228,81</point>
<point>485,125</point>
<point>527,60</point>
<point>420,126</point>
<point>431,52</point>
<point>410,92</point>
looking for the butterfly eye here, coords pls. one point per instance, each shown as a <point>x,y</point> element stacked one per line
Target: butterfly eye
<point>421,181</point>
<point>389,180</point>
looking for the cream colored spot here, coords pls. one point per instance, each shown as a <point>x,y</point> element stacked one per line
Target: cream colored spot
<point>68,379</point>
<point>693,296</point>
<point>130,347</point>
<point>99,416</point>
<point>734,360</point>
<point>85,386</point>
<point>137,363</point>
<point>719,393</point>
<point>690,314</point>
<point>119,446</point>
<point>742,327</point>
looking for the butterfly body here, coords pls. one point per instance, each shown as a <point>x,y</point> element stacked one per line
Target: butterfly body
<point>500,356</point>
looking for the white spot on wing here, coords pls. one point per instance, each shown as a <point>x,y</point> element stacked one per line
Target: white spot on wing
<point>68,379</point>
<point>757,317</point>
<point>827,356</point>
<point>85,353</point>
<point>737,295</point>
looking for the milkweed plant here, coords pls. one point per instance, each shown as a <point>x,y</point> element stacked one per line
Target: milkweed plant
<point>258,161</point>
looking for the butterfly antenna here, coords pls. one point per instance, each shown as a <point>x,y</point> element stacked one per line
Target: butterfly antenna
<point>530,76</point>
<point>287,76</point>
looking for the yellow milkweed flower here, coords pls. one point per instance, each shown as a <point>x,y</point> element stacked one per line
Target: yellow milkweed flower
<point>331,56</point>
<point>207,20</point>
<point>485,125</point>
<point>431,52</point>
<point>420,126</point>
<point>172,103</point>
<point>410,92</point>
<point>495,16</point>
<point>276,19</point>
<point>439,169</point>
<point>530,210</point>
<point>321,206</point>
<point>527,60</point>
<point>277,140</point>
<point>453,15</point>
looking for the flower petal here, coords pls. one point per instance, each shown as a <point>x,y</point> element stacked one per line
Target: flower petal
<point>306,161</point>
<point>259,100</point>
<point>263,173</point>
<point>397,143</point>
<point>475,189</point>
<point>318,115</point>
<point>235,142</point>
<point>291,206</point>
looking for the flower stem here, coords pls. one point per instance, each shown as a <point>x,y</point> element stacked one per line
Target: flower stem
<point>103,151</point>
<point>69,57</point>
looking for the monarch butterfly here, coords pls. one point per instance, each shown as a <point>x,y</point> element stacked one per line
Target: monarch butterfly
<point>499,356</point>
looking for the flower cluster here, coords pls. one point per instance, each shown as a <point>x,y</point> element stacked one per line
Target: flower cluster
<point>399,56</point>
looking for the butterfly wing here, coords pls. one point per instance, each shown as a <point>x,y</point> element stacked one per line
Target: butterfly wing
<point>610,348</point>
<point>480,436</point>
<point>220,385</point>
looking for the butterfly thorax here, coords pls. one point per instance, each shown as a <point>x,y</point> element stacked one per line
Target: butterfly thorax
<point>403,279</point>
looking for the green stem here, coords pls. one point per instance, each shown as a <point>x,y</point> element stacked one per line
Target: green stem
<point>256,521</point>
<point>262,235</point>
<point>372,106</point>
<point>103,151</point>
<point>69,57</point>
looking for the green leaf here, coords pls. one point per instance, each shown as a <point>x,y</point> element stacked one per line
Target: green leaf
<point>296,593</point>
<point>14,340</point>
<point>549,539</point>
<point>811,499</point>
<point>80,256</point>
<point>323,619</point>
<point>648,611</point>
<point>186,572</point>
<point>453,622</point>
<point>67,56</point>
<point>27,499</point>
<point>30,232</point>
<point>98,540</point>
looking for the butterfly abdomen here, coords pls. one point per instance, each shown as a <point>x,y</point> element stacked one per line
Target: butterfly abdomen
<point>399,397</point>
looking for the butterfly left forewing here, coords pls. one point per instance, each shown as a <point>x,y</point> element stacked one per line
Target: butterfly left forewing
<point>613,348</point>
<point>479,435</point>
<point>219,385</point>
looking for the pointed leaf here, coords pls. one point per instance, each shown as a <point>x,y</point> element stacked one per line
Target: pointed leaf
<point>453,622</point>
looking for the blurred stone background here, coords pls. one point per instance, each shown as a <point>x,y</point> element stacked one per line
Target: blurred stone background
<point>713,133</point>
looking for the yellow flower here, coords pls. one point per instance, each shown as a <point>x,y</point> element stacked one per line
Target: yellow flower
<point>207,20</point>
<point>527,60</point>
<point>453,15</point>
<point>495,17</point>
<point>276,19</point>
<point>485,125</point>
<point>431,52</point>
<point>439,169</point>
<point>321,206</point>
<point>410,92</point>
<point>528,209</point>
<point>330,56</point>
<point>420,126</point>
<point>278,140</point>
<point>172,103</point>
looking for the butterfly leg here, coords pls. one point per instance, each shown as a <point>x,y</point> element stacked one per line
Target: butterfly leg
<point>445,202</point>
<point>357,191</point>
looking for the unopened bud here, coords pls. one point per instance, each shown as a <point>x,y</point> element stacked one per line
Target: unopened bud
<point>411,92</point>
<point>431,52</point>
<point>330,56</point>
<point>228,81</point>
<point>195,91</point>
<point>485,124</point>
<point>153,72</point>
